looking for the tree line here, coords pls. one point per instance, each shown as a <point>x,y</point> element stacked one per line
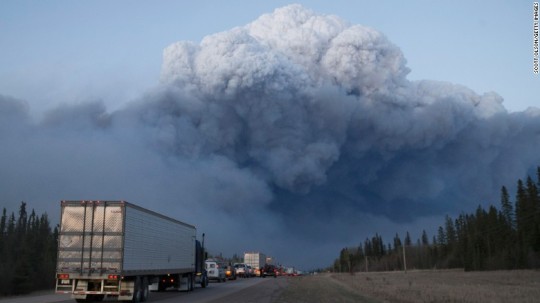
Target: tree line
<point>27,252</point>
<point>507,237</point>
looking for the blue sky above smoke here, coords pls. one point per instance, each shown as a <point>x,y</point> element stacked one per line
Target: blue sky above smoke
<point>60,51</point>
<point>299,126</point>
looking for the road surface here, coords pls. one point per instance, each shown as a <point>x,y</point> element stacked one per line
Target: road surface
<point>239,291</point>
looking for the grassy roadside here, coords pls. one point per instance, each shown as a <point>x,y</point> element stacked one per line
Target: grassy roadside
<point>447,286</point>
<point>319,288</point>
<point>416,286</point>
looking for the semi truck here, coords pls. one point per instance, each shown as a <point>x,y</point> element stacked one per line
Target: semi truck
<point>256,260</point>
<point>116,249</point>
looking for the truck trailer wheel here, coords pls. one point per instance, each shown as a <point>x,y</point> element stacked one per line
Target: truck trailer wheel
<point>137,290</point>
<point>204,281</point>
<point>191,282</point>
<point>144,290</point>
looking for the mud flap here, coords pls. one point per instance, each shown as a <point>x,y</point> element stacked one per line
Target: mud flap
<point>127,289</point>
<point>184,283</point>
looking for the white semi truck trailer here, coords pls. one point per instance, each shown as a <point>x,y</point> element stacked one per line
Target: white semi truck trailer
<point>256,260</point>
<point>120,250</point>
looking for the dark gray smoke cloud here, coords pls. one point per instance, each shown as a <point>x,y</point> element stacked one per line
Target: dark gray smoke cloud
<point>295,135</point>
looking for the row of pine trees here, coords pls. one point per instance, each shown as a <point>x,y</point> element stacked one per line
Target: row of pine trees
<point>507,237</point>
<point>27,252</point>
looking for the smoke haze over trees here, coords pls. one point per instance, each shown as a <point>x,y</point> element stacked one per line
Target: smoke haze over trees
<point>299,118</point>
<point>493,239</point>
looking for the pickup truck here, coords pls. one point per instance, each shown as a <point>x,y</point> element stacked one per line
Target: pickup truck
<point>241,270</point>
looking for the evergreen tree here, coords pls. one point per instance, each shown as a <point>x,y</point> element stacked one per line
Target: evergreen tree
<point>425,251</point>
<point>538,176</point>
<point>336,266</point>
<point>397,243</point>
<point>450,232</point>
<point>532,190</point>
<point>521,222</point>
<point>27,252</point>
<point>22,221</point>
<point>491,235</point>
<point>11,226</point>
<point>22,279</point>
<point>368,248</point>
<point>3,221</point>
<point>425,241</point>
<point>358,258</point>
<point>377,246</point>
<point>528,223</point>
<point>345,260</point>
<point>441,237</point>
<point>506,208</point>
<point>532,237</point>
<point>408,241</point>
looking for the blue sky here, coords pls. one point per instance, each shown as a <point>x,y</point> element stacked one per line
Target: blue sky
<point>56,52</point>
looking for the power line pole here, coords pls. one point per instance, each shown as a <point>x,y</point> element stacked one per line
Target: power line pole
<point>366,263</point>
<point>404,259</point>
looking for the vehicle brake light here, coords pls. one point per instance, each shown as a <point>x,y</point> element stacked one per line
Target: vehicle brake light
<point>63,276</point>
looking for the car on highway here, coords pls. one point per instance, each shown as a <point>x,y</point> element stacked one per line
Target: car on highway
<point>250,271</point>
<point>230,272</point>
<point>241,270</point>
<point>215,271</point>
<point>269,270</point>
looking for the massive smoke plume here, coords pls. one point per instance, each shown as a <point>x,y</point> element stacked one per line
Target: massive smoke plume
<point>298,127</point>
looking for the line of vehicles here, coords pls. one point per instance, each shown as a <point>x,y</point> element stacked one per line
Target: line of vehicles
<point>255,265</point>
<point>116,249</point>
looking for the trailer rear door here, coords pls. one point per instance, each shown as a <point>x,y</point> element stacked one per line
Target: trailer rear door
<point>91,237</point>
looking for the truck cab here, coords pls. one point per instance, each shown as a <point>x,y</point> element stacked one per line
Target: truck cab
<point>241,270</point>
<point>215,271</point>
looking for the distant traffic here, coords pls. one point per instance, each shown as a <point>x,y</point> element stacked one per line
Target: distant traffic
<point>255,265</point>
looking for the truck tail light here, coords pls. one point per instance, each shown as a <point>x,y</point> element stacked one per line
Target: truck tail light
<point>63,276</point>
